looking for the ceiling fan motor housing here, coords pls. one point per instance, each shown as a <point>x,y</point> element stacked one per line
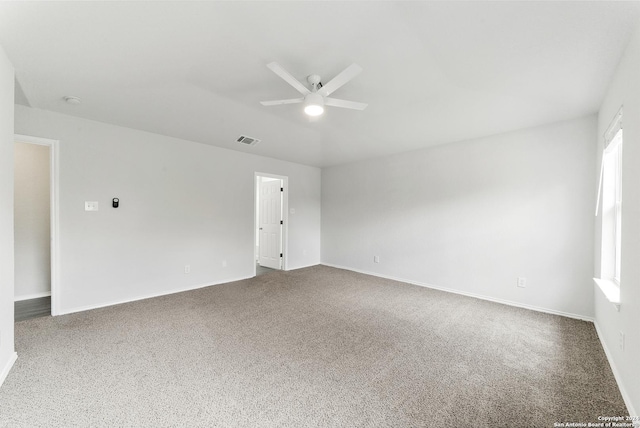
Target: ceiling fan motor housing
<point>314,80</point>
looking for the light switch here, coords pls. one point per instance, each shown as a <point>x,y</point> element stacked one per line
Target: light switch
<point>91,205</point>
<point>292,210</point>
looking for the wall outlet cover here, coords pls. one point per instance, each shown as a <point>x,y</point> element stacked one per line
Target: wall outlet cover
<point>91,205</point>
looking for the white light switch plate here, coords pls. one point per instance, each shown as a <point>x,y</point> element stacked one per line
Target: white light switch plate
<point>91,205</point>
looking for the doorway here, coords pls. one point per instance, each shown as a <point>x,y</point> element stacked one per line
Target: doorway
<point>35,227</point>
<point>270,222</point>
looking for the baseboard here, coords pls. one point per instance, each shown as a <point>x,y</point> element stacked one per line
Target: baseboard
<point>32,296</point>
<point>7,368</point>
<point>465,293</point>
<point>616,375</point>
<point>303,267</point>
<point>147,296</point>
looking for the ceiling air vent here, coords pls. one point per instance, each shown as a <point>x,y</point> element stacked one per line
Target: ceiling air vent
<point>243,139</point>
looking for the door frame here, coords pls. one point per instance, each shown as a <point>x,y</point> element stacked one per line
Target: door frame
<point>54,214</point>
<point>285,215</point>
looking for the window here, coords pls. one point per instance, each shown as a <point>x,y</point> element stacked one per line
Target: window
<point>611,212</point>
<point>610,198</point>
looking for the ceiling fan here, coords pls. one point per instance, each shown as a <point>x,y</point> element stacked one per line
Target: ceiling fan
<point>317,97</point>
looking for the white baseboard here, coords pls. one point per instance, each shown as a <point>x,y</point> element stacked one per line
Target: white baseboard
<point>32,296</point>
<point>7,367</point>
<point>147,296</point>
<point>465,293</point>
<point>303,267</point>
<point>616,375</point>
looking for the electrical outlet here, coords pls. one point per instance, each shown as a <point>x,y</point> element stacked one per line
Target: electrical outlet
<point>224,263</point>
<point>522,282</point>
<point>376,259</point>
<point>304,252</point>
<point>91,206</point>
<point>187,268</point>
<point>621,341</point>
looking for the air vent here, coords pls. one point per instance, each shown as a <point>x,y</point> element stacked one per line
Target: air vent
<point>243,139</point>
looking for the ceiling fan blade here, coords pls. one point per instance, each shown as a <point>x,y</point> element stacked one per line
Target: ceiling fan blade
<point>334,102</point>
<point>347,74</point>
<point>280,102</point>
<point>284,74</point>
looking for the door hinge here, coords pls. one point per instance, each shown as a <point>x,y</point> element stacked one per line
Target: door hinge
<point>282,189</point>
<point>280,254</point>
<point>281,222</point>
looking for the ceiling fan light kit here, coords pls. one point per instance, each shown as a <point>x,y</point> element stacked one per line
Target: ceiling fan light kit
<point>315,99</point>
<point>314,104</point>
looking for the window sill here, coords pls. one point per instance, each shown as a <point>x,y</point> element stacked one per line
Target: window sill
<point>610,289</point>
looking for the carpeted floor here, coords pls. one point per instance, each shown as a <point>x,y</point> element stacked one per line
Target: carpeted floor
<point>315,347</point>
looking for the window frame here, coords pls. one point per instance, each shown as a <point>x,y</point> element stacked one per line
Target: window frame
<point>610,199</point>
<point>614,150</point>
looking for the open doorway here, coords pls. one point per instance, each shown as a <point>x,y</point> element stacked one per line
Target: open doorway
<point>35,226</point>
<point>270,222</point>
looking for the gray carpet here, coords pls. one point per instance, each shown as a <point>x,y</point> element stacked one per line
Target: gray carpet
<point>316,347</point>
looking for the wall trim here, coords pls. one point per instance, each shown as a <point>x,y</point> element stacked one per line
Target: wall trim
<point>465,293</point>
<point>304,266</point>
<point>148,296</point>
<point>32,296</point>
<point>54,216</point>
<point>616,374</point>
<point>7,367</point>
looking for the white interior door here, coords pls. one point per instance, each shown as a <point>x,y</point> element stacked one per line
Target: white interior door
<point>270,224</point>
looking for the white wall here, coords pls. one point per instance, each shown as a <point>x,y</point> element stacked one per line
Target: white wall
<point>181,203</point>
<point>624,90</point>
<point>32,227</point>
<point>7,353</point>
<point>473,216</point>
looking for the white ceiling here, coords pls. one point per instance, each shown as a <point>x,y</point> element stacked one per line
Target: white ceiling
<point>434,72</point>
